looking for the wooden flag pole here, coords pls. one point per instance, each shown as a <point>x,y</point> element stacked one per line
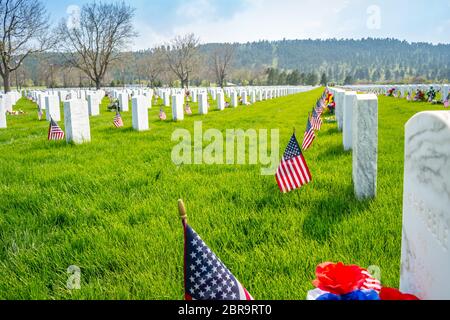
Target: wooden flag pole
<point>182,211</point>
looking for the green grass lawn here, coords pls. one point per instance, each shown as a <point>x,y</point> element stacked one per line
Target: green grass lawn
<point>110,206</point>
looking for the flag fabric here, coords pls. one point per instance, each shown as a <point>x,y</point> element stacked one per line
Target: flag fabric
<point>118,122</point>
<point>371,283</point>
<point>408,97</point>
<point>205,276</point>
<point>316,121</point>
<point>293,172</point>
<point>309,137</point>
<point>55,132</point>
<point>446,103</point>
<point>40,114</point>
<point>162,115</point>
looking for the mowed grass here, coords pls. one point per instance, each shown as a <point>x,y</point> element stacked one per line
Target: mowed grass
<point>110,206</point>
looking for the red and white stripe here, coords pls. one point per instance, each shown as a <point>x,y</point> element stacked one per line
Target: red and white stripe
<point>371,283</point>
<point>308,139</point>
<point>293,174</point>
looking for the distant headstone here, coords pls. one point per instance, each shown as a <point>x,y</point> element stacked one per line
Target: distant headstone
<point>93,104</point>
<point>339,99</point>
<point>123,102</point>
<point>234,99</point>
<point>52,107</point>
<point>166,98</point>
<point>252,97</point>
<point>203,103</point>
<point>140,113</point>
<point>244,97</point>
<point>426,207</point>
<point>349,104</point>
<point>221,100</point>
<point>177,107</point>
<point>2,115</point>
<point>76,121</point>
<point>365,145</point>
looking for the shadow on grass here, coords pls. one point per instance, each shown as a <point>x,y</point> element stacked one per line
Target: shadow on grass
<point>326,215</point>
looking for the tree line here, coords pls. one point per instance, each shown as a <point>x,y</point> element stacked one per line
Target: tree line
<point>91,49</point>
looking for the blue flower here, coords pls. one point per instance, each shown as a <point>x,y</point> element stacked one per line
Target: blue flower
<point>357,295</point>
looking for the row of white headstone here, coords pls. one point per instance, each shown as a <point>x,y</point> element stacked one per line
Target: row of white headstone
<point>7,101</point>
<point>425,258</point>
<point>357,119</point>
<point>79,105</point>
<point>404,90</point>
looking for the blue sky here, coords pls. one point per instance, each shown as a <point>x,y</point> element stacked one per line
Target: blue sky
<point>158,21</point>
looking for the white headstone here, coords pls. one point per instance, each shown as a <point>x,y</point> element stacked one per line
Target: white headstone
<point>244,98</point>
<point>76,121</point>
<point>426,207</point>
<point>177,107</point>
<point>349,102</point>
<point>221,100</point>
<point>2,115</point>
<point>339,110</point>
<point>253,97</point>
<point>93,104</point>
<point>234,99</point>
<point>365,145</point>
<point>123,102</point>
<point>52,107</point>
<point>166,98</point>
<point>140,113</point>
<point>203,103</point>
<point>8,100</point>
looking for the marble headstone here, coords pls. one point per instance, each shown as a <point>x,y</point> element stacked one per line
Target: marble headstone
<point>203,103</point>
<point>234,99</point>
<point>221,100</point>
<point>426,207</point>
<point>52,107</point>
<point>2,114</point>
<point>93,104</point>
<point>139,106</point>
<point>339,99</point>
<point>177,107</point>
<point>349,103</point>
<point>365,146</point>
<point>123,102</point>
<point>76,121</point>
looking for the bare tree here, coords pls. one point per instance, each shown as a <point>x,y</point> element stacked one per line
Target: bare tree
<point>221,61</point>
<point>103,30</point>
<point>182,57</point>
<point>153,64</point>
<point>24,30</point>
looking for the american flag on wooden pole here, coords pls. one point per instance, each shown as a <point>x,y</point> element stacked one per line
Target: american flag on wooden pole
<point>40,113</point>
<point>205,275</point>
<point>293,172</point>
<point>118,122</point>
<point>188,109</point>
<point>55,132</point>
<point>309,136</point>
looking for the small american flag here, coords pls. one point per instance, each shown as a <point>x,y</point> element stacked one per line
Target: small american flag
<point>293,172</point>
<point>205,276</point>
<point>371,283</point>
<point>54,132</point>
<point>408,97</point>
<point>316,121</point>
<point>446,103</point>
<point>162,115</point>
<point>309,136</point>
<point>188,109</point>
<point>118,122</point>
<point>40,114</point>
